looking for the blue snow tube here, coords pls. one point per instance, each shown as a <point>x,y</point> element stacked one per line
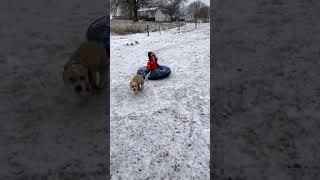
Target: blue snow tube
<point>160,73</point>
<point>99,30</point>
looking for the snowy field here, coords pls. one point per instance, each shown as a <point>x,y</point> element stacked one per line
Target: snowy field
<point>163,132</point>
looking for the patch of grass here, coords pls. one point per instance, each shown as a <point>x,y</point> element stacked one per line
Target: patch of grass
<point>122,27</point>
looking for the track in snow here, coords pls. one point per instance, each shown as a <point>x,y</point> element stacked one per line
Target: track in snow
<point>163,132</point>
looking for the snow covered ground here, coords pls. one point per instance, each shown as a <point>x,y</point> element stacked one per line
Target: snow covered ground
<point>163,132</point>
<point>267,90</point>
<point>45,130</point>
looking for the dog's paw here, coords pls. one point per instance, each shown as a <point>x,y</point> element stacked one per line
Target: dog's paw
<point>98,91</point>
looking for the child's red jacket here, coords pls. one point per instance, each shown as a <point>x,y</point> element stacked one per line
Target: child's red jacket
<point>152,64</point>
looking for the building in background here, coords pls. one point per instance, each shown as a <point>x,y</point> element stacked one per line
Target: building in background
<point>153,14</point>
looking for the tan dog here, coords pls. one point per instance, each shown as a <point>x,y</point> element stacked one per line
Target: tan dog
<point>137,83</point>
<point>86,70</point>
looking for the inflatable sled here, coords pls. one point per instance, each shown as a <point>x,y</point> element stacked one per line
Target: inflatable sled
<point>99,30</point>
<point>160,73</point>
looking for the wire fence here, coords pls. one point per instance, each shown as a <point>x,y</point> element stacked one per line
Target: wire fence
<point>181,27</point>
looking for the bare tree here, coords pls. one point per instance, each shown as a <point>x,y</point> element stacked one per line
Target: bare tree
<point>194,10</point>
<point>130,7</point>
<point>114,5</point>
<point>135,5</point>
<point>204,13</point>
<point>172,7</point>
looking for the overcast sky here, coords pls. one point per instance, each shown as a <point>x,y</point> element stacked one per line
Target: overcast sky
<point>207,2</point>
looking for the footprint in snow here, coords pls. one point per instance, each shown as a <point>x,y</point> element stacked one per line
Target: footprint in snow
<point>132,44</point>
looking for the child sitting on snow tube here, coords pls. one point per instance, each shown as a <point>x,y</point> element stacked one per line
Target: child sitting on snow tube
<point>157,71</point>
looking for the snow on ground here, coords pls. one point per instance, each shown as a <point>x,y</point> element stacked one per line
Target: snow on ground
<point>267,90</point>
<point>163,132</point>
<point>45,131</point>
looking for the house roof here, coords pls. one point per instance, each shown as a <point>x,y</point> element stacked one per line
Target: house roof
<point>148,9</point>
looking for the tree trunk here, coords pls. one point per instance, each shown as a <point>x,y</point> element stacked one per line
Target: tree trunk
<point>129,11</point>
<point>135,14</point>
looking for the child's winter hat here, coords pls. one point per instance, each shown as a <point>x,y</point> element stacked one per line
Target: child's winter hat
<point>151,54</point>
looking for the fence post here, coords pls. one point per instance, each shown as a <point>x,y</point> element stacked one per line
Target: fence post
<point>148,29</point>
<point>179,25</point>
<point>159,29</point>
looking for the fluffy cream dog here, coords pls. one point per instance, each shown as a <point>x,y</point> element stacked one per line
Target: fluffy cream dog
<point>86,70</point>
<point>137,83</point>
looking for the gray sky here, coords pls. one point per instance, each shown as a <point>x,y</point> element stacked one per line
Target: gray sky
<point>207,2</point>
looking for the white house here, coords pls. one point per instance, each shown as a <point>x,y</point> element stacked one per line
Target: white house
<point>161,16</point>
<point>154,14</point>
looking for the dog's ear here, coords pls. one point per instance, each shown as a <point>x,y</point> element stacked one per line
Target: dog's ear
<point>130,84</point>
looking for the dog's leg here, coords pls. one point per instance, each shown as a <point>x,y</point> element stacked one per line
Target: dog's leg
<point>141,86</point>
<point>93,78</point>
<point>97,79</point>
<point>102,78</point>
